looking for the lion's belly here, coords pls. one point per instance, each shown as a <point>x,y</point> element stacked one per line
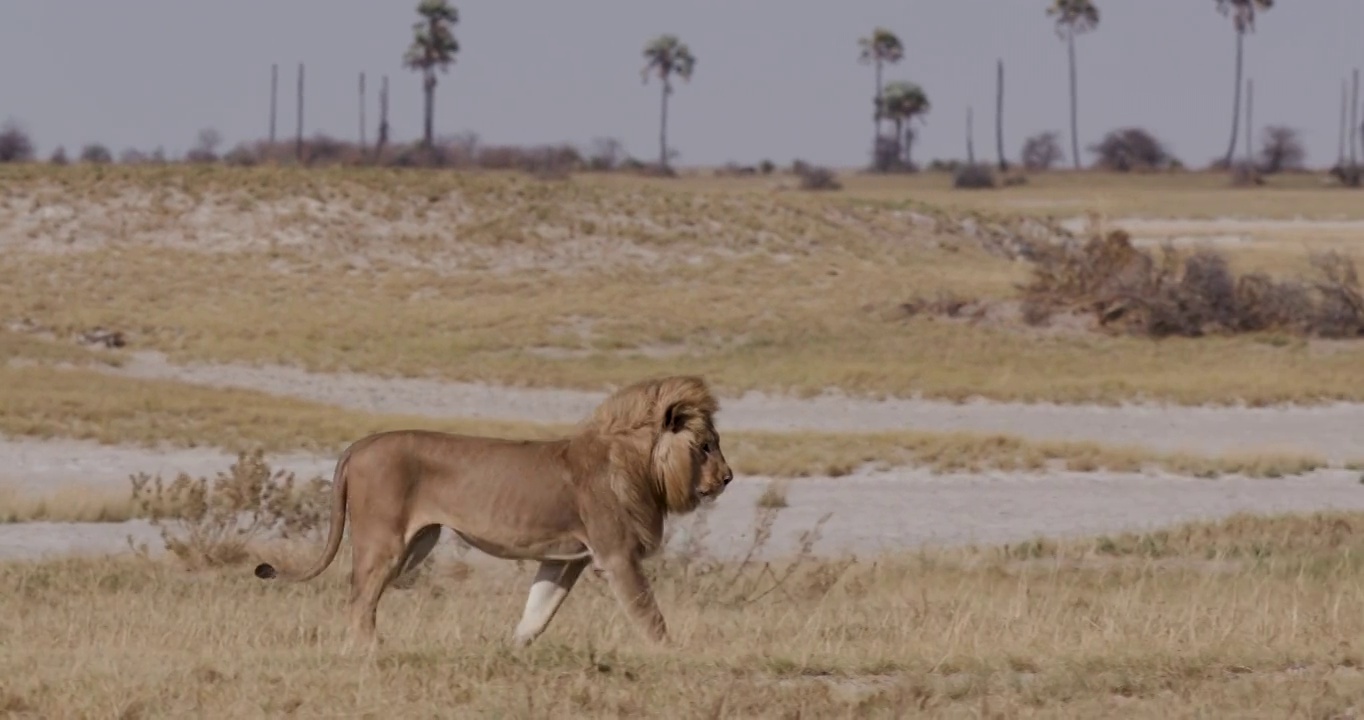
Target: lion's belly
<point>547,550</point>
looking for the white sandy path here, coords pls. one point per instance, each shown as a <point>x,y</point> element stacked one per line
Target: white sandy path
<point>895,510</point>
<point>1331,431</point>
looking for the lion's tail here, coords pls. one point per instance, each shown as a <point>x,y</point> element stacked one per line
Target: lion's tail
<point>266,571</point>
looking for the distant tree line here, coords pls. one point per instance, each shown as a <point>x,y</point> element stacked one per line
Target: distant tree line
<point>899,103</point>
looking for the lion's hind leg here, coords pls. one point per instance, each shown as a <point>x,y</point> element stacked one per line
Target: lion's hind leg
<point>552,582</point>
<point>418,549</point>
<point>376,562</point>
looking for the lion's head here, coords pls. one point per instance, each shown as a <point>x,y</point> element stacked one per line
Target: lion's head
<point>660,435</point>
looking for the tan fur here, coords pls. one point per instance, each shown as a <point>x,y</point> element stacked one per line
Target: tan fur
<point>599,496</point>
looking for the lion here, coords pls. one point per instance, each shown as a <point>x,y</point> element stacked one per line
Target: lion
<point>599,496</point>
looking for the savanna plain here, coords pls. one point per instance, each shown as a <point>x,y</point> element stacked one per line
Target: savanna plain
<point>1081,447</point>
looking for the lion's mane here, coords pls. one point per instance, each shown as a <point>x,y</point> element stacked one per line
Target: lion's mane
<point>648,434</point>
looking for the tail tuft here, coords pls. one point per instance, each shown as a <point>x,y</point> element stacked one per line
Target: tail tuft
<point>265,571</point>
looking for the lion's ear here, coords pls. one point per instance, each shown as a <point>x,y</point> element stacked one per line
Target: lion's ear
<point>675,417</point>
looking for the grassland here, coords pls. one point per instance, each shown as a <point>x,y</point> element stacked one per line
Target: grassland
<point>1251,617</point>
<point>586,282</point>
<point>579,283</point>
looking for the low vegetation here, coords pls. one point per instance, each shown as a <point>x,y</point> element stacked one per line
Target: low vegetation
<point>597,280</point>
<point>1192,296</point>
<point>1243,616</point>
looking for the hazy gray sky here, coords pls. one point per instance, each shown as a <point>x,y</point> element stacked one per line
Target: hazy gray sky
<point>774,78</point>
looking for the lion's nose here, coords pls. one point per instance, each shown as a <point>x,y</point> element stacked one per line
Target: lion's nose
<point>729,475</point>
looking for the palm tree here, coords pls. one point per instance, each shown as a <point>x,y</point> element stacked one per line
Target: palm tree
<point>880,48</point>
<point>1072,18</point>
<point>667,56</point>
<point>902,102</point>
<point>433,46</point>
<point>1242,14</point>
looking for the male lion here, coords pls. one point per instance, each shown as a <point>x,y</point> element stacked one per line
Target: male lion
<point>599,496</point>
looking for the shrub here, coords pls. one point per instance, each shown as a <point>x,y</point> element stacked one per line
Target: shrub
<point>15,144</point>
<point>96,154</point>
<point>210,524</point>
<point>1192,296</point>
<point>974,177</point>
<point>1131,148</point>
<point>242,156</point>
<point>58,156</point>
<point>1281,150</point>
<point>813,177</point>
<point>1042,151</point>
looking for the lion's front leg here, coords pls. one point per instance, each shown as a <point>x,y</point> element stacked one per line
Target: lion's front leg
<point>632,590</point>
<point>547,592</point>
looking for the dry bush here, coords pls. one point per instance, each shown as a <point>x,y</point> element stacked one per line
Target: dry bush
<point>96,154</point>
<point>1042,151</point>
<point>208,524</point>
<point>773,496</point>
<point>974,177</point>
<point>1281,150</point>
<point>15,144</point>
<point>706,581</point>
<point>1132,148</point>
<point>1190,296</point>
<point>1348,175</point>
<point>1245,174</point>
<point>814,177</point>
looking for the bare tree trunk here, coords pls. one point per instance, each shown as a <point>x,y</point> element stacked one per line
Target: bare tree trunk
<point>1344,121</point>
<point>876,122</point>
<point>663,127</point>
<point>429,124</point>
<point>999,115</point>
<point>274,93</point>
<point>1354,120</point>
<point>362,113</point>
<point>970,140</point>
<point>1074,94</point>
<point>383,119</point>
<point>899,136</point>
<point>1236,100</point>
<point>1250,124</point>
<point>298,135</point>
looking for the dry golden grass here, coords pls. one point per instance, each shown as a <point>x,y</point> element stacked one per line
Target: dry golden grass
<point>1248,618</point>
<point>1192,195</point>
<point>76,503</point>
<point>495,277</point>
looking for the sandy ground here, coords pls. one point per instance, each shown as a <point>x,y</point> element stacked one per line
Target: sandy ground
<point>896,510</point>
<point>1328,430</point>
<point>870,511</point>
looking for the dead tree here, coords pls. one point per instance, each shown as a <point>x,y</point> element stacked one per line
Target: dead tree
<point>999,115</point>
<point>274,93</point>
<point>362,113</point>
<point>383,119</point>
<point>970,140</point>
<point>298,135</point>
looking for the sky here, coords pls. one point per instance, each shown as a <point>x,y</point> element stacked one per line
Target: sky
<point>776,79</point>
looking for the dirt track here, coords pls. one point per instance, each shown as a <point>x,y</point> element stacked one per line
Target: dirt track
<point>1327,430</point>
<point>870,511</point>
